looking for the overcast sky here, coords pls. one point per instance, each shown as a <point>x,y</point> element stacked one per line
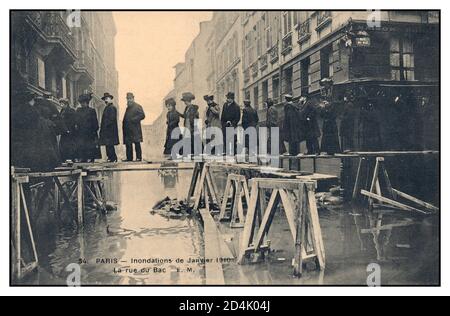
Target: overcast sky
<point>148,45</point>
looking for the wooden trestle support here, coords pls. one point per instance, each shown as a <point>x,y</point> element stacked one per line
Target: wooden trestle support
<point>66,187</point>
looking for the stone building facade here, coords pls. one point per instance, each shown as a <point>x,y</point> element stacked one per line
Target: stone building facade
<point>65,53</point>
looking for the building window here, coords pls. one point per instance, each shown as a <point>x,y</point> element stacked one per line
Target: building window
<point>304,76</point>
<point>265,90</point>
<point>287,78</point>
<point>41,72</point>
<point>402,59</point>
<point>287,22</point>
<point>275,89</point>
<point>259,32</point>
<point>326,62</point>
<point>256,97</point>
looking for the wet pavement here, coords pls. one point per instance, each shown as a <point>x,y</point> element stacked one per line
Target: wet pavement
<point>134,246</point>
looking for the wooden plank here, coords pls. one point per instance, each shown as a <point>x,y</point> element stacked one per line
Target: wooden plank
<point>300,237</point>
<point>387,227</point>
<point>199,188</point>
<point>290,212</point>
<point>271,208</point>
<point>313,216</point>
<point>193,181</point>
<point>237,196</point>
<point>30,230</point>
<point>80,201</point>
<point>211,187</point>
<point>392,202</point>
<point>214,270</point>
<point>225,199</point>
<point>18,234</point>
<point>416,200</point>
<point>249,222</point>
<point>75,172</point>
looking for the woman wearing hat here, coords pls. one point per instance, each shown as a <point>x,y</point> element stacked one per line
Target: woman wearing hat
<point>173,122</point>
<point>68,142</point>
<point>87,127</point>
<point>109,133</point>
<point>191,114</point>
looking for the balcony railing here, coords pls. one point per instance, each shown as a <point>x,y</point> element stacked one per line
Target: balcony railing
<point>54,27</point>
<point>273,53</point>
<point>304,31</point>
<point>263,62</point>
<point>254,68</point>
<point>287,44</point>
<point>323,19</point>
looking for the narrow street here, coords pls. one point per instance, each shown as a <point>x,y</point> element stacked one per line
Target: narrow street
<point>133,246</point>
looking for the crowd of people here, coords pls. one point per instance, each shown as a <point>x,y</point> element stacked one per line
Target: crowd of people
<point>45,133</point>
<point>297,123</point>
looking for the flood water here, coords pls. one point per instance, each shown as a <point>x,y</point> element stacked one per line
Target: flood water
<point>133,246</point>
<point>130,246</point>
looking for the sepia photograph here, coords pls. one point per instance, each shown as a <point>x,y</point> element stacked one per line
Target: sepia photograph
<point>225,148</point>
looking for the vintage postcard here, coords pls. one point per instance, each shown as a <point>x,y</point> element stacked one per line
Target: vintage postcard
<point>225,148</point>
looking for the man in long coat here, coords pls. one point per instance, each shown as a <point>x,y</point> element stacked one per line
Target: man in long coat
<point>250,119</point>
<point>330,134</point>
<point>308,120</point>
<point>109,134</point>
<point>87,123</point>
<point>231,116</point>
<point>132,130</point>
<point>68,142</point>
<point>292,128</point>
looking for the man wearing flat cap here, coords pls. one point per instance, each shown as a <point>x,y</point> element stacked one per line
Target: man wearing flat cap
<point>109,133</point>
<point>231,115</point>
<point>191,113</point>
<point>132,129</point>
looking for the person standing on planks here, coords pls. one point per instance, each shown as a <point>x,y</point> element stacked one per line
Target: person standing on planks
<point>132,129</point>
<point>109,133</point>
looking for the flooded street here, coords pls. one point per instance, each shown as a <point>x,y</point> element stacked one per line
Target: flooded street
<point>130,246</point>
<point>135,246</point>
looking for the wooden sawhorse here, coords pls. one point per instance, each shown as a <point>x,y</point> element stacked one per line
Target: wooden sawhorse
<point>377,187</point>
<point>299,203</point>
<point>236,188</point>
<point>19,206</point>
<point>202,185</point>
<point>19,178</point>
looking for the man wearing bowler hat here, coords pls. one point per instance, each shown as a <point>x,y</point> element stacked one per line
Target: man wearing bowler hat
<point>109,134</point>
<point>132,129</point>
<point>231,115</point>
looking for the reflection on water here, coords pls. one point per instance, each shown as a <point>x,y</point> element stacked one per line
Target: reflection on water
<point>130,245</point>
<point>113,246</point>
<point>406,248</point>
